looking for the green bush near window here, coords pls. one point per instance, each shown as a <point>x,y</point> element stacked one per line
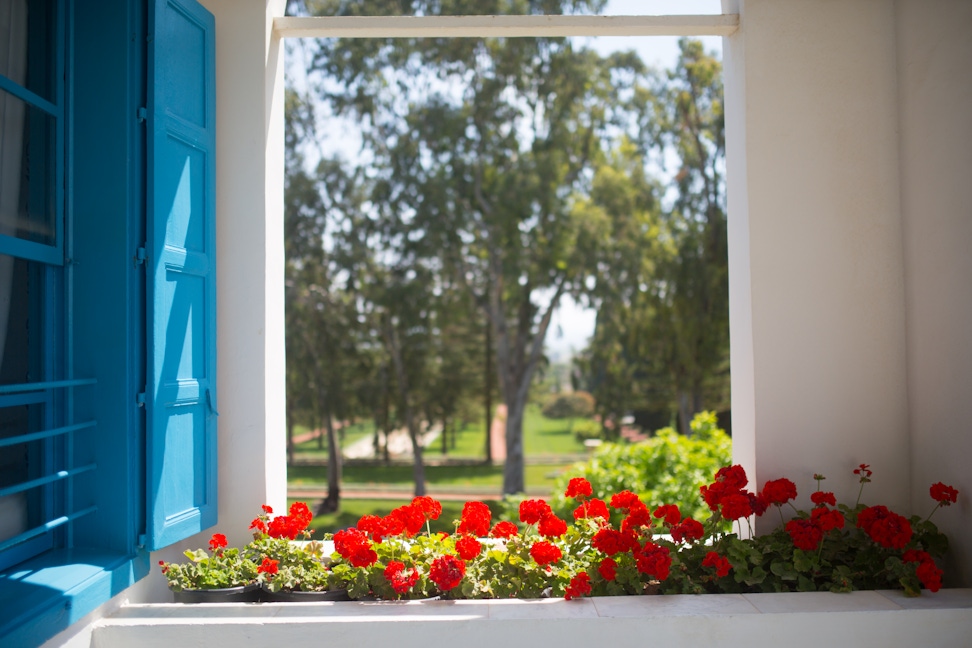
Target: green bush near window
<point>669,467</point>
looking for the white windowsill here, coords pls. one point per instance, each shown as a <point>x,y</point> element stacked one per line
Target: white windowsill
<point>886,618</point>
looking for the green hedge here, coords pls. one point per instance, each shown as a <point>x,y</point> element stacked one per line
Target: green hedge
<point>666,469</point>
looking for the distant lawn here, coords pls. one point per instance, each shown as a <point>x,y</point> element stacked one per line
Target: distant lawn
<point>353,509</point>
<point>541,437</point>
<point>537,476</point>
<point>351,433</point>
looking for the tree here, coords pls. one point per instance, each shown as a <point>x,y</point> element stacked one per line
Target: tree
<point>478,156</point>
<point>662,334</point>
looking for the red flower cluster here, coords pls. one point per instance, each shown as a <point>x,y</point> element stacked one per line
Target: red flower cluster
<point>545,553</point>
<point>820,498</point>
<point>429,507</point>
<point>653,560</point>
<point>717,562</point>
<point>578,488</point>
<point>885,527</point>
<point>778,491</point>
<point>689,530</point>
<point>611,541</point>
<point>447,572</point>
<point>595,508</point>
<point>284,526</point>
<point>726,494</point>
<point>355,547</point>
<point>670,512</point>
<point>637,514</point>
<point>608,569</point>
<point>402,580</point>
<point>805,534</point>
<point>943,494</point>
<point>539,512</point>
<point>475,519</point>
<point>864,472</point>
<point>551,526</point>
<point>531,511</point>
<point>268,566</point>
<point>468,547</point>
<point>504,529</point>
<point>579,586</point>
<point>218,541</point>
<point>928,573</point>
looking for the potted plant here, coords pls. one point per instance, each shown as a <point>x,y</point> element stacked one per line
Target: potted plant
<point>290,569</point>
<point>220,574</point>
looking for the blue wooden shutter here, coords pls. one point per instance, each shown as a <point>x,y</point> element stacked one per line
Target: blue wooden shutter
<point>181,301</point>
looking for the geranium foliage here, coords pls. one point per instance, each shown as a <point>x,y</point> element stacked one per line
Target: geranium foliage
<point>613,546</point>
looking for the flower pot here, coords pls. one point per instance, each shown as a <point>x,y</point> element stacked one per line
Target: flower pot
<point>297,596</point>
<point>240,594</point>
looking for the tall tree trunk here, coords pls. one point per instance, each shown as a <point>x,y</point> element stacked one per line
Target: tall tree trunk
<point>290,437</point>
<point>418,471</point>
<point>488,381</point>
<point>332,502</point>
<point>513,470</point>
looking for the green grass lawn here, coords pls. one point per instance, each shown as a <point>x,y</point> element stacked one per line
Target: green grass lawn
<point>537,476</point>
<point>541,436</point>
<point>353,509</point>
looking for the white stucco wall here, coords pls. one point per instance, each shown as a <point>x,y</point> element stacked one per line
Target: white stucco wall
<point>250,261</point>
<point>816,269</point>
<point>934,63</point>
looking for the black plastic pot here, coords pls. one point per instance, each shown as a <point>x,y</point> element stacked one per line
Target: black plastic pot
<point>297,596</point>
<point>241,594</point>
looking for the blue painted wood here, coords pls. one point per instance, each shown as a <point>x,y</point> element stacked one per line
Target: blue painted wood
<point>181,271</point>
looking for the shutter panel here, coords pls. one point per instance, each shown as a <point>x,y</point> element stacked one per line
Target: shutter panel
<point>181,293</point>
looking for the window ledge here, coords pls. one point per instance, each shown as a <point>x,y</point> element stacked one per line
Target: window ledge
<point>797,619</point>
<point>45,595</point>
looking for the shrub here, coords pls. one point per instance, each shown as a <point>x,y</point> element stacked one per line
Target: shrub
<point>587,429</point>
<point>578,404</point>
<point>668,467</point>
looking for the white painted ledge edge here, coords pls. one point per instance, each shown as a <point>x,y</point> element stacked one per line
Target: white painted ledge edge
<point>872,618</point>
<point>503,26</point>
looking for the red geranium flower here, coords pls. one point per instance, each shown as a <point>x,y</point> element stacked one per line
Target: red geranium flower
<point>717,562</point>
<point>885,527</point>
<point>468,547</point>
<point>625,500</point>
<point>267,509</point>
<point>943,494</point>
<point>545,553</point>
<point>805,534</point>
<point>864,472</point>
<point>610,541</point>
<point>218,541</point>
<point>779,491</point>
<point>638,516</point>
<point>447,572</point>
<point>670,512</point>
<point>531,511</point>
<point>608,569</point>
<point>430,508</point>
<point>732,476</point>
<point>821,498</point>
<point>595,508</point>
<point>476,518</point>
<point>268,566</point>
<point>579,586</point>
<point>688,531</point>
<point>578,487</point>
<point>551,526</point>
<point>736,506</point>
<point>402,580</point>
<point>827,519</point>
<point>504,529</point>
<point>653,560</point>
<point>412,518</point>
